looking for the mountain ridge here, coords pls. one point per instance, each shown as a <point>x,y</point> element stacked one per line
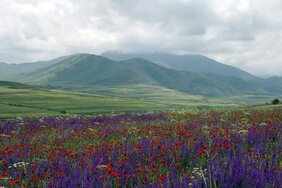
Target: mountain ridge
<point>85,71</point>
<point>192,63</point>
<point>97,70</point>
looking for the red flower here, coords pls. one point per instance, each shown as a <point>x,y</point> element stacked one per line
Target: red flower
<point>177,165</point>
<point>3,161</point>
<point>115,174</point>
<point>102,176</point>
<point>140,170</point>
<point>201,152</point>
<point>13,182</point>
<point>227,146</point>
<point>161,178</point>
<point>153,165</point>
<point>5,173</point>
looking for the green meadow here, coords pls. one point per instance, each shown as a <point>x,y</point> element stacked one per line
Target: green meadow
<point>37,102</point>
<point>41,102</point>
<point>28,102</point>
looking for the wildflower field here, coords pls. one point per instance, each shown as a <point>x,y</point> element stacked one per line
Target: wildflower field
<point>204,149</point>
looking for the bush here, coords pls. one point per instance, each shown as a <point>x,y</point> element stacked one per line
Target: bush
<point>275,101</point>
<point>63,111</point>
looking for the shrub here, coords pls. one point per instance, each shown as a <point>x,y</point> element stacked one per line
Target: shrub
<point>275,101</point>
<point>63,111</point>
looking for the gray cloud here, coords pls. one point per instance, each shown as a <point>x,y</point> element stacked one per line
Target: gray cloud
<point>242,33</point>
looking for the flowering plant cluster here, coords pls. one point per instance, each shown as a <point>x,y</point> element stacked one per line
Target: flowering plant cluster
<point>206,149</point>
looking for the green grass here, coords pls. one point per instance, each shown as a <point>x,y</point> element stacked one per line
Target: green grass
<point>40,102</point>
<point>264,107</point>
<point>34,102</point>
<point>161,95</point>
<point>253,99</point>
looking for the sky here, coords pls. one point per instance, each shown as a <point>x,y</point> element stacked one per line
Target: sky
<point>242,33</point>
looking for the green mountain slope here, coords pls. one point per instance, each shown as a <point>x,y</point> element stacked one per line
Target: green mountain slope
<point>91,73</point>
<point>12,72</point>
<point>5,71</point>
<point>273,84</point>
<point>8,84</point>
<point>194,63</point>
<point>87,70</point>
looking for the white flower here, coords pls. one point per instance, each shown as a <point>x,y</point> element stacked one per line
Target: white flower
<point>6,178</point>
<point>19,165</point>
<point>19,118</point>
<point>5,136</point>
<point>262,124</point>
<point>101,167</point>
<point>247,113</point>
<point>38,159</point>
<point>205,127</point>
<point>199,172</point>
<point>243,131</point>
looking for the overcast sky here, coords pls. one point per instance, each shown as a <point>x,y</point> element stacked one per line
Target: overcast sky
<point>243,33</point>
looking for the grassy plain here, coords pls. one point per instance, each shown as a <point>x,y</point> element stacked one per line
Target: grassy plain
<point>28,102</point>
<point>35,102</point>
<point>41,102</point>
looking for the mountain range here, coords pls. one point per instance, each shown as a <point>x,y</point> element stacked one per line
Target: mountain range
<point>191,74</point>
<point>193,63</point>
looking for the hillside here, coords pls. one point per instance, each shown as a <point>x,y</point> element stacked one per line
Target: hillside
<point>13,84</point>
<point>5,71</point>
<point>91,73</point>
<point>12,72</point>
<point>88,70</point>
<point>193,63</point>
<point>273,84</point>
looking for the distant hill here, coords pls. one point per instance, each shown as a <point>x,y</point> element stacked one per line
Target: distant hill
<point>193,63</point>
<point>13,71</point>
<point>275,79</point>
<point>13,84</point>
<point>88,70</point>
<point>5,71</point>
<point>273,84</point>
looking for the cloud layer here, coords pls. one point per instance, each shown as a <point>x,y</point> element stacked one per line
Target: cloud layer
<point>242,33</point>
